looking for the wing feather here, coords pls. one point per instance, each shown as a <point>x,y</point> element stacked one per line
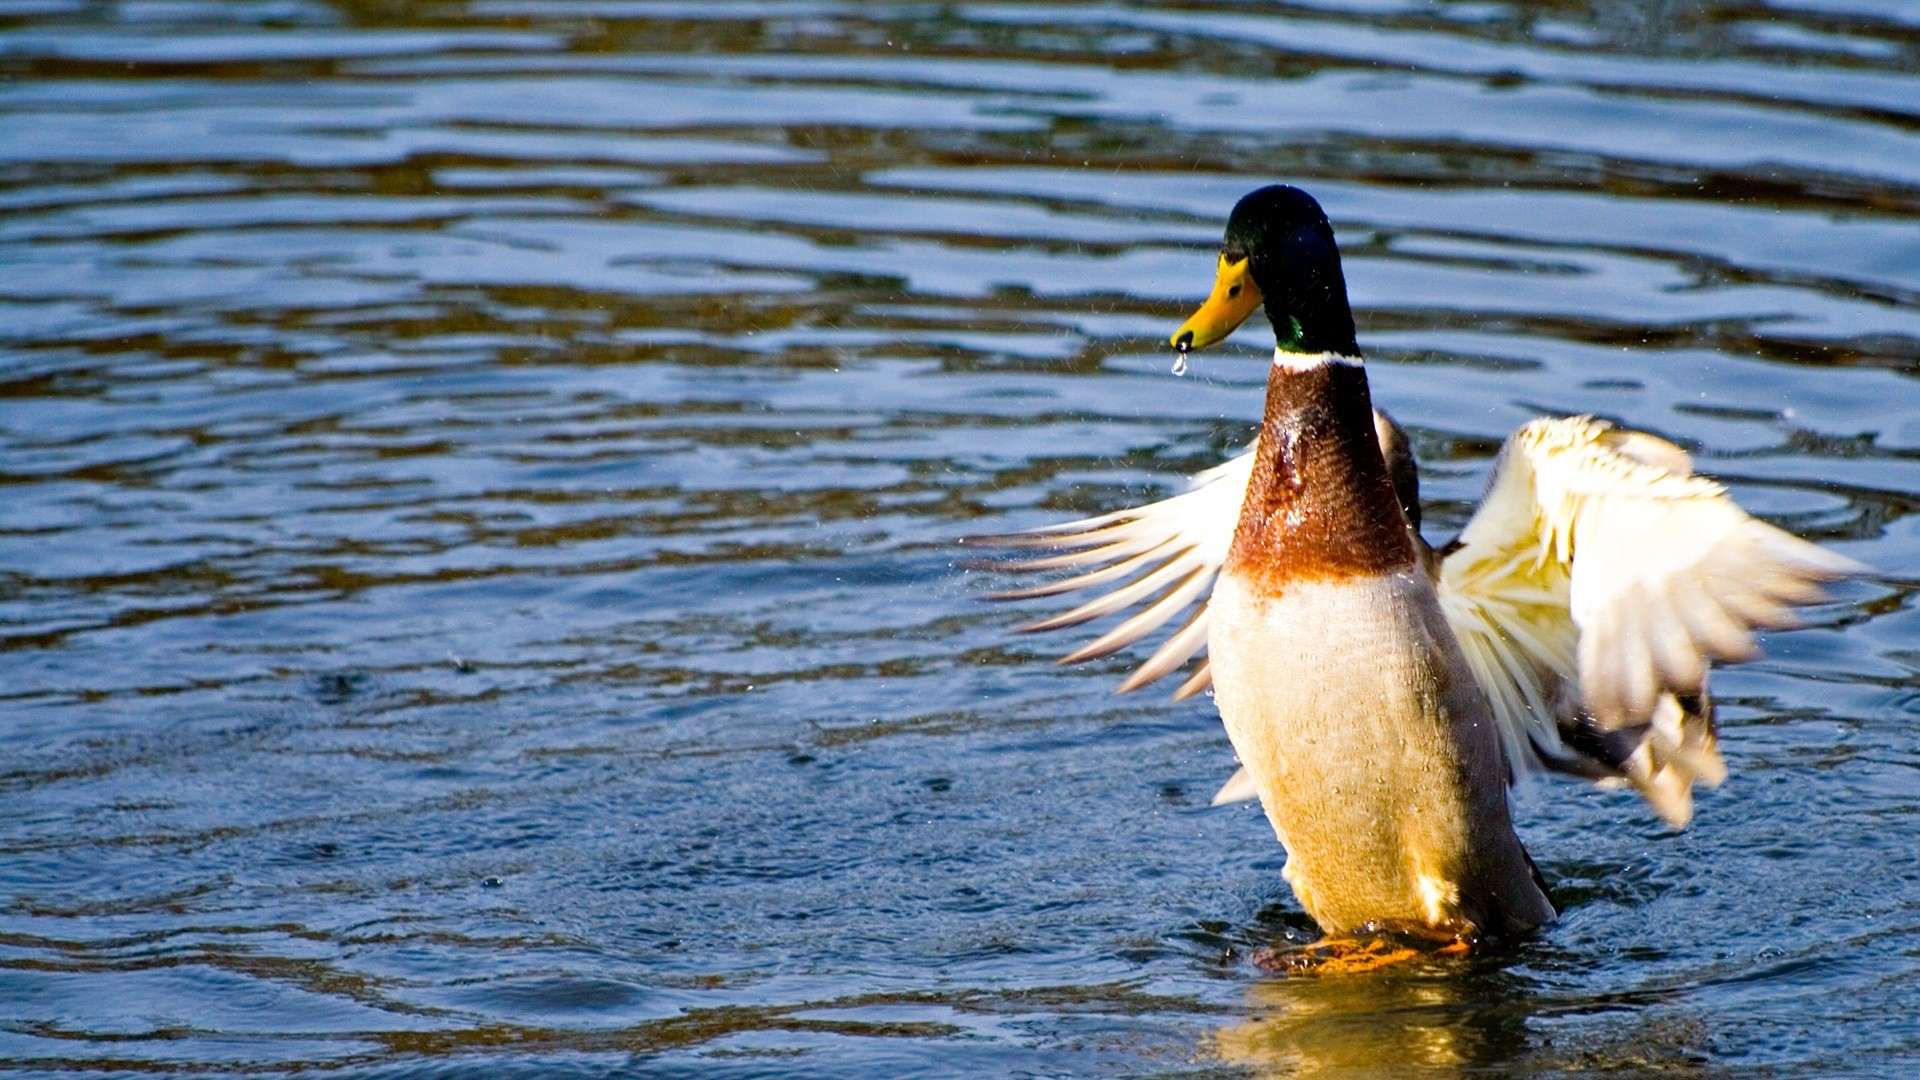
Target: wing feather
<point>1200,681</point>
<point>1147,621</point>
<point>1175,651</point>
<point>1238,788</point>
<point>1164,555</point>
<point>1594,588</point>
<point>1174,568</point>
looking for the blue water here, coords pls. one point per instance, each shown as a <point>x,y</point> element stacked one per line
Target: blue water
<point>479,483</point>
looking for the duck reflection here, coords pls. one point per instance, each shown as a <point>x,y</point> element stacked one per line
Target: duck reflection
<point>1440,1021</point>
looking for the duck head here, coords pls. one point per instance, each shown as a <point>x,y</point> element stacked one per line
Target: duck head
<point>1320,503</point>
<point>1278,252</point>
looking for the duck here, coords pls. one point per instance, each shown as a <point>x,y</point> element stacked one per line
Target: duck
<point>1383,695</point>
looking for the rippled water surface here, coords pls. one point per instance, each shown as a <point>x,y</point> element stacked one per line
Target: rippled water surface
<point>478,485</point>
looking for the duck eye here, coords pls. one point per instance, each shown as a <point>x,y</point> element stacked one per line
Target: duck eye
<point>1233,292</point>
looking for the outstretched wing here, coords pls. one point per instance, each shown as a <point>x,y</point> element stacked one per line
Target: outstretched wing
<point>1594,586</point>
<point>1165,553</point>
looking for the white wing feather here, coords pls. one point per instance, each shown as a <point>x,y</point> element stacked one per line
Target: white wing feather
<point>1176,547</point>
<point>1238,788</point>
<point>1598,580</point>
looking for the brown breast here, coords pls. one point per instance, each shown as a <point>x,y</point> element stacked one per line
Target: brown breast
<point>1321,503</point>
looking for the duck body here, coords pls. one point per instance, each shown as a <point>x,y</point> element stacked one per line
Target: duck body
<point>1344,692</point>
<point>1381,695</point>
<point>1376,763</point>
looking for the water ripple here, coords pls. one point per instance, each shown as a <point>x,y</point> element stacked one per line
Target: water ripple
<point>477,584</point>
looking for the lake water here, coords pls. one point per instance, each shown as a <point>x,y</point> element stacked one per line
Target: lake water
<point>479,483</point>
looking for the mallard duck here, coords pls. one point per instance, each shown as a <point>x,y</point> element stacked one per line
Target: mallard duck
<point>1381,694</point>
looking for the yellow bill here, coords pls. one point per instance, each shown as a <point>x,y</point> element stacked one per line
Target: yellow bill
<point>1235,297</point>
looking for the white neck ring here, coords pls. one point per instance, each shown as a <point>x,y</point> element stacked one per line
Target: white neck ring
<point>1293,361</point>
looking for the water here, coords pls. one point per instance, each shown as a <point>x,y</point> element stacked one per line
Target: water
<point>477,581</point>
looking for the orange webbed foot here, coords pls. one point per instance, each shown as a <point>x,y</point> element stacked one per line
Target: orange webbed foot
<point>1358,954</point>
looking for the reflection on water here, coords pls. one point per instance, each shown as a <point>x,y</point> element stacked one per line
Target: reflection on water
<point>478,485</point>
<point>1452,1020</point>
<point>1392,1025</point>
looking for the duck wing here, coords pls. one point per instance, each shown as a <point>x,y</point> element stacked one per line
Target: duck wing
<point>1165,556</point>
<point>1593,588</point>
